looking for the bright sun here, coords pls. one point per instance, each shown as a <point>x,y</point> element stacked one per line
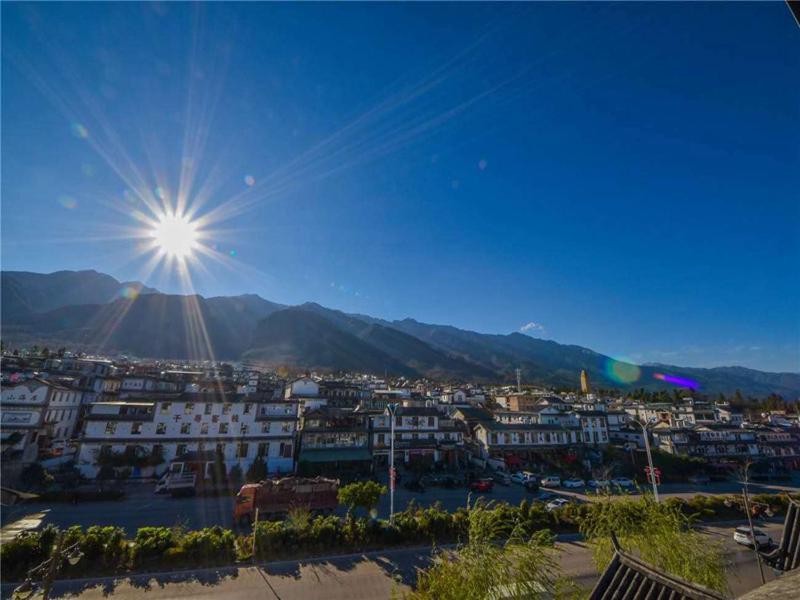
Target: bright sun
<point>175,236</point>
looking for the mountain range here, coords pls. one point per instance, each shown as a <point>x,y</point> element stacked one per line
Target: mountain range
<point>93,312</point>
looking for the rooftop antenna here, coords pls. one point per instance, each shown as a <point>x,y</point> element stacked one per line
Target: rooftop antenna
<point>519,380</point>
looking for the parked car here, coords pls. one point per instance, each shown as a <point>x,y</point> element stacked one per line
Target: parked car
<point>519,477</point>
<point>622,482</point>
<point>555,504</point>
<point>530,476</point>
<point>742,535</point>
<point>699,479</point>
<point>573,482</point>
<point>599,483</point>
<point>481,485</point>
<point>550,481</point>
<point>502,478</point>
<point>531,485</point>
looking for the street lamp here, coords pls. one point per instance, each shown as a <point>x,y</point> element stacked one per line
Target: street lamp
<point>652,473</point>
<point>392,407</point>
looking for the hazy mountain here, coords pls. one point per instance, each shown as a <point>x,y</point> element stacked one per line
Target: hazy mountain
<point>312,336</point>
<point>24,292</point>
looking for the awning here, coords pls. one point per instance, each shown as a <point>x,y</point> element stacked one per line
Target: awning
<point>335,455</point>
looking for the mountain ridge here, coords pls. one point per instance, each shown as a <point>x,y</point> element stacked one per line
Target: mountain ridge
<point>149,323</point>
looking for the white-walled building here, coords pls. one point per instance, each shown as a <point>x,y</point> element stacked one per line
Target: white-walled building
<point>38,414</point>
<point>243,428</point>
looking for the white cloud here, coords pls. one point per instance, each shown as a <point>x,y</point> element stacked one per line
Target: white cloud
<point>529,327</point>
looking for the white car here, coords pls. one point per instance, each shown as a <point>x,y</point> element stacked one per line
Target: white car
<point>599,483</point>
<point>741,535</point>
<point>574,483</point>
<point>550,481</point>
<point>622,482</point>
<point>519,477</point>
<point>556,504</point>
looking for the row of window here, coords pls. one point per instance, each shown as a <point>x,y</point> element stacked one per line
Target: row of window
<point>58,415</point>
<point>186,428</point>
<point>242,449</point>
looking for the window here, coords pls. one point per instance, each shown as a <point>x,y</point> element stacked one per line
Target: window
<point>263,449</point>
<point>381,438</point>
<point>247,408</point>
<point>188,408</point>
<point>265,428</point>
<point>204,429</point>
<point>181,450</point>
<point>286,427</point>
<point>431,421</point>
<point>165,407</point>
<point>241,450</point>
<point>286,450</point>
<point>493,438</point>
<point>186,428</point>
<point>221,449</point>
<point>207,409</point>
<point>243,429</point>
<point>226,409</point>
<point>136,428</point>
<point>111,428</point>
<point>161,428</point>
<point>234,418</point>
<point>223,428</point>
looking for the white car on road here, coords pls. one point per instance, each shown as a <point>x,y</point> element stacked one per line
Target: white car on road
<point>555,504</point>
<point>550,481</point>
<point>573,483</point>
<point>741,535</point>
<point>622,482</point>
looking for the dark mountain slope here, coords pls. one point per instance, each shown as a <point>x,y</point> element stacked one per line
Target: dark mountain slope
<point>302,338</point>
<point>25,293</point>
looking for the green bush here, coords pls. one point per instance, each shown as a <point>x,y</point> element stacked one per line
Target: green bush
<point>150,543</point>
<point>211,545</point>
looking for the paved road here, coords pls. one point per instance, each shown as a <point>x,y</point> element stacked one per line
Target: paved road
<point>376,575</point>
<point>142,507</point>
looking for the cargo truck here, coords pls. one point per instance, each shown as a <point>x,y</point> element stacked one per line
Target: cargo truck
<point>274,497</point>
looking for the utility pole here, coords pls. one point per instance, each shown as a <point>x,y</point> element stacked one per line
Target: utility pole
<point>649,458</point>
<point>392,407</point>
<point>519,380</point>
<point>746,481</point>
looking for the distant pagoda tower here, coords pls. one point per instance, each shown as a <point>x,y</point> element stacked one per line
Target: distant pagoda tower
<point>586,388</point>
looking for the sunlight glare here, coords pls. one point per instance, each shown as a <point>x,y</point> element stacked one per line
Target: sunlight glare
<point>175,235</point>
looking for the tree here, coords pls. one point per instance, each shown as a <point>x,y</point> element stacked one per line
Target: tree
<point>235,476</point>
<point>361,494</point>
<point>659,533</point>
<point>257,471</point>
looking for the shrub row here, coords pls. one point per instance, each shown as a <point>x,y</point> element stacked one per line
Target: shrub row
<point>107,550</point>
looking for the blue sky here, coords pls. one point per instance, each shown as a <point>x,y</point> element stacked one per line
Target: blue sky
<point>619,176</point>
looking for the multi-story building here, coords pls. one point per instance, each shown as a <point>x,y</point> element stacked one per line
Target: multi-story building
<point>422,433</point>
<point>243,428</point>
<point>515,442</point>
<point>38,415</point>
<point>720,440</point>
<point>333,440</point>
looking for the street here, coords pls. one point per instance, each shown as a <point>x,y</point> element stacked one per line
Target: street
<point>374,575</point>
<point>142,508</point>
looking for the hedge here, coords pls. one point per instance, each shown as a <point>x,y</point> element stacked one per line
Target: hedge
<point>107,550</point>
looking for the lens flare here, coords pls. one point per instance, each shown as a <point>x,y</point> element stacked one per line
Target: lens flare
<point>79,131</point>
<point>249,180</point>
<point>67,202</point>
<point>129,292</point>
<point>175,235</point>
<point>679,381</point>
<point>621,371</point>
